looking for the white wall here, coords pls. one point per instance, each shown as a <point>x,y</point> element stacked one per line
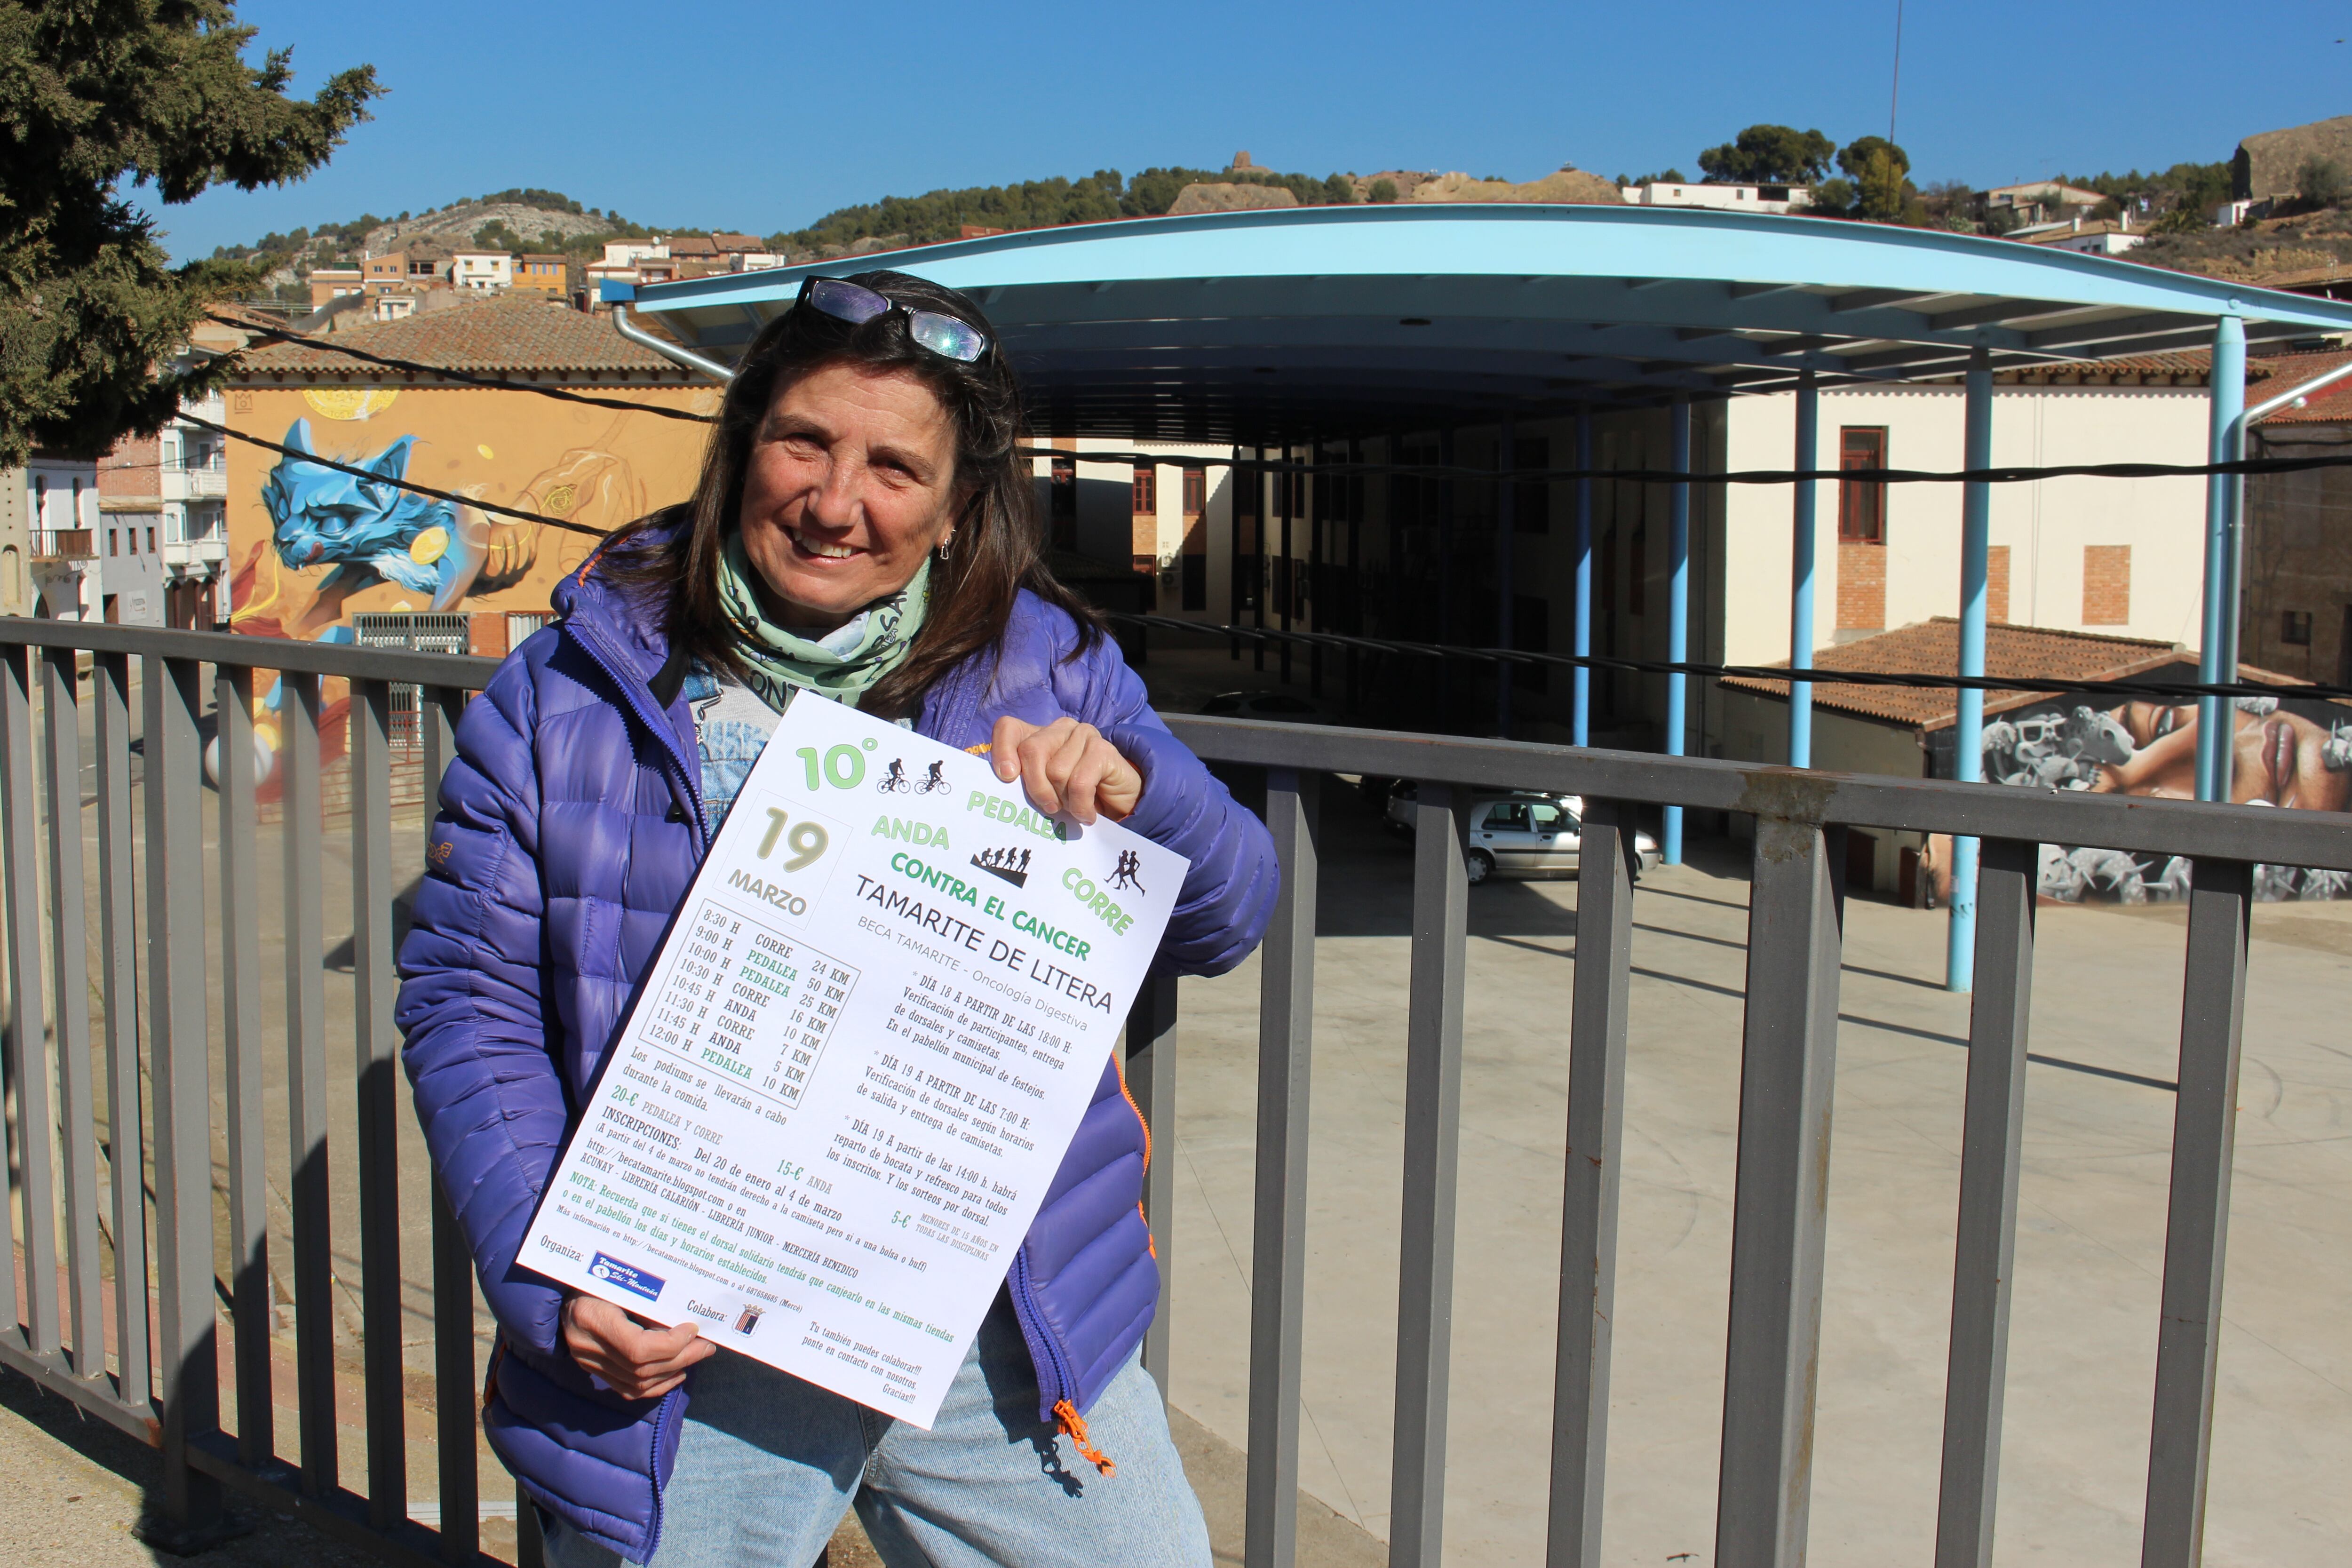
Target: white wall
<point>2045,524</point>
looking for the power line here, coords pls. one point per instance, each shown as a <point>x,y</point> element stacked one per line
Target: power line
<point>2124,689</point>
<point>2158,690</point>
<point>376,479</point>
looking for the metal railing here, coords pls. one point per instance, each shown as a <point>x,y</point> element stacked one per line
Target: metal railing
<point>171,1393</point>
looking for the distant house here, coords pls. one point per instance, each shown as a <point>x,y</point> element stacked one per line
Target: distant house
<point>331,283</point>
<point>481,271</point>
<point>2035,201</point>
<point>2098,237</point>
<point>1726,198</point>
<point>542,274</point>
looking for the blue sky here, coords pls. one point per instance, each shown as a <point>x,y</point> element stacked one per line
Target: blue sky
<point>763,116</point>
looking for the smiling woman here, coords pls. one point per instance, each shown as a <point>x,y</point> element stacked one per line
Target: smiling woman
<point>862,528</point>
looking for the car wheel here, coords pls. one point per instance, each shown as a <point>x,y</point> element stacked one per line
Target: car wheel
<point>1477,866</point>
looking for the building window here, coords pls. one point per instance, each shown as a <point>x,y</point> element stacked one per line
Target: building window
<point>1147,490</point>
<point>2294,628</point>
<point>151,539</point>
<point>113,540</point>
<point>1862,506</point>
<point>1196,491</point>
<point>1531,633</point>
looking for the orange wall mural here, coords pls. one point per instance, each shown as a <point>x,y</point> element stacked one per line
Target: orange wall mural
<point>310,547</point>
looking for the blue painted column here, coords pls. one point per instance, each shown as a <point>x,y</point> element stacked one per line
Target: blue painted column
<point>1801,574</point>
<point>2217,717</point>
<point>1580,682</point>
<point>1968,738</point>
<point>1678,443</point>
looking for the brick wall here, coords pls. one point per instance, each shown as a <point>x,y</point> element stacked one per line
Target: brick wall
<point>1997,582</point>
<point>1862,587</point>
<point>2106,585</point>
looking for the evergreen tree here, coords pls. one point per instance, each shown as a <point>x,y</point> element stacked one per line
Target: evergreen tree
<point>97,95</point>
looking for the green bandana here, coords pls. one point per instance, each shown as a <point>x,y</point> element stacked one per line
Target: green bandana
<point>776,662</point>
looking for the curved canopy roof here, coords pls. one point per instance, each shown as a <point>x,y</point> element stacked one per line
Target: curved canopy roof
<point>1263,326</point>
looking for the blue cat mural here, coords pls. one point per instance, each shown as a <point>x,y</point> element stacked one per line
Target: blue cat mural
<point>366,532</point>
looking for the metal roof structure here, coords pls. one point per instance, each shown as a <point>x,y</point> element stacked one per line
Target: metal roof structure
<point>1261,327</point>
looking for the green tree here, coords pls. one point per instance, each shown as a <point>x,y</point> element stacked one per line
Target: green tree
<point>1769,155</point>
<point>1383,190</point>
<point>1881,173</point>
<point>2322,183</point>
<point>101,95</point>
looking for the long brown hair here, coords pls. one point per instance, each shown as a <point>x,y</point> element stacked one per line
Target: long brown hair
<point>998,547</point>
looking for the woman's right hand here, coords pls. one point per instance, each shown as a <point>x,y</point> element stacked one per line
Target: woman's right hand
<point>634,1360</point>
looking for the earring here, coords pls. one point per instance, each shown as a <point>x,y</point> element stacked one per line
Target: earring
<point>943,545</point>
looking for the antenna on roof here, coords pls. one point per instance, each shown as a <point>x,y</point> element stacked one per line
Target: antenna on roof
<point>1894,97</point>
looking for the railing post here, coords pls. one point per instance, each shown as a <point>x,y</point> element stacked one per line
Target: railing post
<point>1278,1251</point>
<point>1781,1211</point>
<point>456,1397</point>
<point>376,1047</point>
<point>1986,1246</point>
<point>70,958</point>
<point>1432,1142</point>
<point>1967,733</point>
<point>2217,717</point>
<point>1804,544</point>
<point>1152,1079</point>
<point>28,1054</point>
<point>188,1347</point>
<point>1579,681</point>
<point>306,1086</point>
<point>1587,1238</point>
<point>2197,1223</point>
<point>241,1018</point>
<point>110,677</point>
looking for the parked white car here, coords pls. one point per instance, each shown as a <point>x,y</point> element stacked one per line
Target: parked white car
<point>1520,833</point>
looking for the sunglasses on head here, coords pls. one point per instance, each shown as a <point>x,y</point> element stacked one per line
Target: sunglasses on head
<point>949,337</point>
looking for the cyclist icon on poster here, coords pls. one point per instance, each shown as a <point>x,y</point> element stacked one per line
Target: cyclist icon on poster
<point>895,781</point>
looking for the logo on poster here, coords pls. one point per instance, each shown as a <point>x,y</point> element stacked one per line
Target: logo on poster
<point>627,1275</point>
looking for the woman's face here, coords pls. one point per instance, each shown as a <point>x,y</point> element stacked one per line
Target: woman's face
<point>851,483</point>
<point>2280,759</point>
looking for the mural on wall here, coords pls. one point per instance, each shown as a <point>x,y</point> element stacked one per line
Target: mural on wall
<point>2294,754</point>
<point>310,546</point>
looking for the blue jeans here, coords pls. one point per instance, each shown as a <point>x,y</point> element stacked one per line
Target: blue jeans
<point>768,1463</point>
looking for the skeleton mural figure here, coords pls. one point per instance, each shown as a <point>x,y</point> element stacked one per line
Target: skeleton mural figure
<point>369,532</point>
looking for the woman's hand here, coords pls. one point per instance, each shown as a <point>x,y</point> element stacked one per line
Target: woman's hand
<point>1066,766</point>
<point>635,1362</point>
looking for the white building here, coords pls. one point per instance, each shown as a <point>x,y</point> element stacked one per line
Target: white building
<point>193,469</point>
<point>483,271</point>
<point>1726,198</point>
<point>2099,237</point>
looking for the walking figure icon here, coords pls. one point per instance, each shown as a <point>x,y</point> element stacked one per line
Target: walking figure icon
<point>1123,875</point>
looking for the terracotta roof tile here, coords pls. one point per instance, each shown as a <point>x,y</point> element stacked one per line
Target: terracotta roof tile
<point>2011,651</point>
<point>2330,406</point>
<point>496,336</point>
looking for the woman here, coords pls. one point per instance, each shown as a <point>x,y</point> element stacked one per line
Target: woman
<point>862,528</point>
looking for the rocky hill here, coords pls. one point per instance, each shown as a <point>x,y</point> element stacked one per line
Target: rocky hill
<point>459,222</point>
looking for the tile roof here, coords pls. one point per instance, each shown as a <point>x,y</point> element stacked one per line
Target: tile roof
<point>506,333</point>
<point>2330,406</point>
<point>2011,651</point>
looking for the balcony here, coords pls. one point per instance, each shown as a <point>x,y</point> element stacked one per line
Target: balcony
<point>66,544</point>
<point>204,478</point>
<point>202,559</point>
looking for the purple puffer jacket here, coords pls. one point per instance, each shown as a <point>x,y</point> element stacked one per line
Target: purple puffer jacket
<point>571,823</point>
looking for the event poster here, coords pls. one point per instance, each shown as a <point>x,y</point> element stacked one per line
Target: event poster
<point>857,1062</point>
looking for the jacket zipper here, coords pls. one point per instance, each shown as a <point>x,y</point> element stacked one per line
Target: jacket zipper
<point>670,1402</point>
<point>590,641</point>
<point>1035,1328</point>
